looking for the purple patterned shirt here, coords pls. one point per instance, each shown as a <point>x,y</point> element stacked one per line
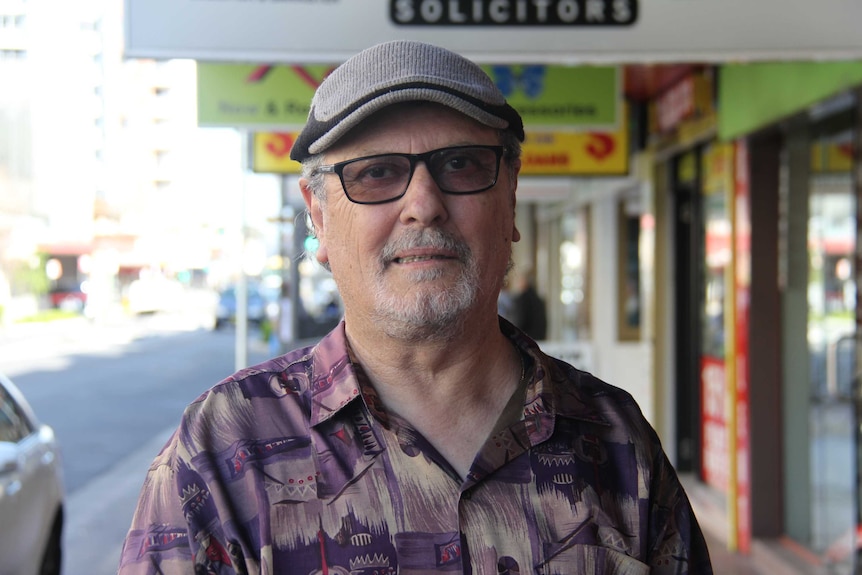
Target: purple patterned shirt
<point>293,466</point>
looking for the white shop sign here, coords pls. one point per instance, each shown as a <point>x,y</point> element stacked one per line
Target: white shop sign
<point>503,31</point>
<point>576,353</point>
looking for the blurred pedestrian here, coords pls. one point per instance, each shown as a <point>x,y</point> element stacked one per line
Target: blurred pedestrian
<point>529,307</point>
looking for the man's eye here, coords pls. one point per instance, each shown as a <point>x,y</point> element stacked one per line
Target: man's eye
<point>459,162</point>
<point>377,172</point>
<point>372,171</point>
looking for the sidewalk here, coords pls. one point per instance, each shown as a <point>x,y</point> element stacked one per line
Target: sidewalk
<point>767,557</point>
<point>726,562</point>
<point>99,514</point>
<point>81,334</point>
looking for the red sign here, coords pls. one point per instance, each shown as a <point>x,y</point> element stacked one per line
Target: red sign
<point>714,439</point>
<point>271,153</point>
<point>675,105</point>
<point>743,295</point>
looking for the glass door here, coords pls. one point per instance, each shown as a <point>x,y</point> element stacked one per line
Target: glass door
<point>831,343</point>
<point>716,278</point>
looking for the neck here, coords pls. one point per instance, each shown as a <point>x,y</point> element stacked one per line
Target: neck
<point>473,347</point>
<point>452,392</point>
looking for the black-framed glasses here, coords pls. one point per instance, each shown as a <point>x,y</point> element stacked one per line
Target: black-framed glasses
<point>385,177</point>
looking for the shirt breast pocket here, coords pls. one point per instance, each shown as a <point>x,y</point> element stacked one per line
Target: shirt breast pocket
<point>591,560</point>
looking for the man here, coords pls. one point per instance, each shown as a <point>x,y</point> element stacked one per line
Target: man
<point>530,315</point>
<point>424,434</point>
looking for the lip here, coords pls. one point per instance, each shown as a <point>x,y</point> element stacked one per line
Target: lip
<point>421,256</point>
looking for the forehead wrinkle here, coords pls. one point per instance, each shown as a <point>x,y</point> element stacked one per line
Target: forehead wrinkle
<point>376,134</point>
<point>386,148</point>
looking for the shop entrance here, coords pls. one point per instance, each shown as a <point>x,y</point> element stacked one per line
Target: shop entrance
<point>702,186</point>
<point>688,261</point>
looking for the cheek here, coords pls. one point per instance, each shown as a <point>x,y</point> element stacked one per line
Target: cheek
<point>351,245</point>
<point>505,218</point>
<point>333,245</point>
<point>496,237</point>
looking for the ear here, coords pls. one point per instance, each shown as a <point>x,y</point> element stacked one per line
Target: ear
<point>516,169</point>
<point>312,204</point>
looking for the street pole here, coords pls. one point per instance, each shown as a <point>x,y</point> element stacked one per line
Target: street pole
<point>241,341</point>
<point>293,232</point>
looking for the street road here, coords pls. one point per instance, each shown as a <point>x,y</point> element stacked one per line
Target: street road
<point>113,393</point>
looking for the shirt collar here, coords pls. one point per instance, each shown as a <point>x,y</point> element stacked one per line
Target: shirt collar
<point>554,388</point>
<point>333,379</point>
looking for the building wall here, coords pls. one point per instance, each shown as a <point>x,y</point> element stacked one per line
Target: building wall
<point>625,364</point>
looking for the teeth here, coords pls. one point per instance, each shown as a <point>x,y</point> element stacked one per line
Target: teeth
<point>412,259</point>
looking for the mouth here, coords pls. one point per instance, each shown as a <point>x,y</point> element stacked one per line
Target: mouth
<point>427,247</point>
<point>422,258</point>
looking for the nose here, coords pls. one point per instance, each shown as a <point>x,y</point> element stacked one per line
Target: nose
<point>424,203</point>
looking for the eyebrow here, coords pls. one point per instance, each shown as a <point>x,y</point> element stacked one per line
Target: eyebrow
<point>360,153</point>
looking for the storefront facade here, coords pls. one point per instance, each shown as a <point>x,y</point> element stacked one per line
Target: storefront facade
<point>757,218</point>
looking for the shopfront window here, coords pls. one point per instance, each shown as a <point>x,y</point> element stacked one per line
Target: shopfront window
<point>717,170</point>
<point>574,275</point>
<point>629,299</point>
<point>831,345</point>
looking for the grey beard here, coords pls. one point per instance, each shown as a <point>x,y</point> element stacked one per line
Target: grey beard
<point>426,314</point>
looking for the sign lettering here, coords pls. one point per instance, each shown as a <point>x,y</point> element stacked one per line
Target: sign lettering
<point>513,12</point>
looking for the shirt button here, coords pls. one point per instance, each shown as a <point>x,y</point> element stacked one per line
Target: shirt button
<point>467,495</point>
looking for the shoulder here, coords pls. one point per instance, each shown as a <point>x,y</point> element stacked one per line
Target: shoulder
<point>270,399</point>
<point>582,395</point>
<point>573,380</point>
<point>277,377</point>
<point>568,379</point>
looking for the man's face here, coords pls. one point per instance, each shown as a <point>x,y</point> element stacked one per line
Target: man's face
<point>420,265</point>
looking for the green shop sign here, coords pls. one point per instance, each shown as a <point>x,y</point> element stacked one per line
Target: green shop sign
<point>239,95</point>
<point>561,97</point>
<point>755,95</point>
<point>578,98</point>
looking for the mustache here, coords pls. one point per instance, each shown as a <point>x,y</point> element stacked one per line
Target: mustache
<point>433,238</point>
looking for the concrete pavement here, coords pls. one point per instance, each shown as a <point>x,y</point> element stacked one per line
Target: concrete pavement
<point>99,514</point>
<point>767,557</point>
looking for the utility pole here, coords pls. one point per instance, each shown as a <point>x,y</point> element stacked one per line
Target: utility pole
<point>241,337</point>
<point>291,222</point>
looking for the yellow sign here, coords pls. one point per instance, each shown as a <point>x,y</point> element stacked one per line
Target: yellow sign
<point>577,153</point>
<point>832,157</point>
<point>574,154</point>
<point>543,153</point>
<point>271,153</point>
<point>567,153</point>
<point>718,168</point>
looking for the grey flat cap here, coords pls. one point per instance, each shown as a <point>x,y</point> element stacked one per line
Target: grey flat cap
<point>400,71</point>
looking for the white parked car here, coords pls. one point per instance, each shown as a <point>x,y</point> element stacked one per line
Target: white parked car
<point>31,489</point>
